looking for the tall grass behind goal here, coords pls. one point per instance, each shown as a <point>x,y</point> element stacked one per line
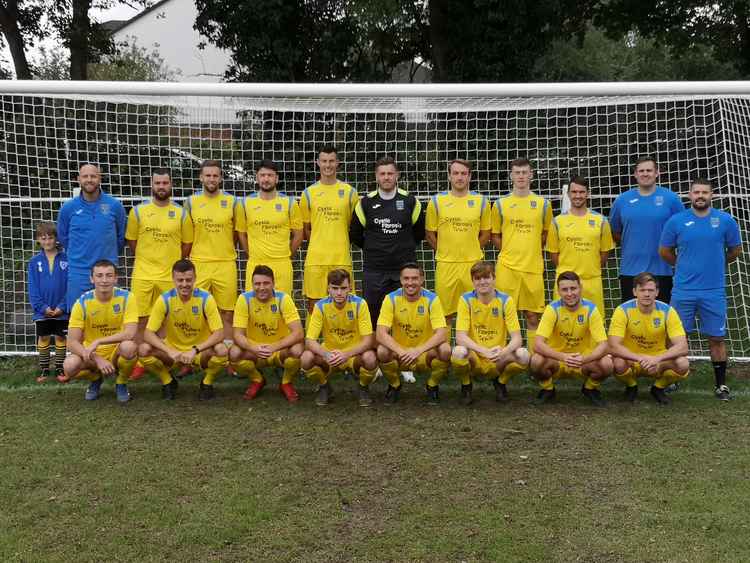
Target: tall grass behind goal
<point>595,130</point>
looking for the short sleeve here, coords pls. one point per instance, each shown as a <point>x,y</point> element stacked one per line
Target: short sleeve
<point>186,230</point>
<point>315,324</point>
<point>76,316</point>
<point>288,311</point>
<point>596,326</point>
<point>732,237</point>
<point>131,310</point>
<point>363,319</point>
<point>547,323</point>
<point>615,219</point>
<point>386,312</point>
<point>304,206</point>
<point>212,314</point>
<point>547,215</point>
<point>606,243</point>
<point>156,318</point>
<point>511,316</point>
<point>674,324</point>
<point>432,218</point>
<point>240,224</point>
<point>131,230</point>
<point>619,323</point>
<point>496,218</point>
<point>485,220</point>
<point>437,316</point>
<point>240,319</point>
<point>553,244</point>
<point>669,234</point>
<point>295,215</point>
<point>463,315</point>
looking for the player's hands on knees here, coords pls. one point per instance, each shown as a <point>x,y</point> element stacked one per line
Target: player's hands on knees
<point>409,356</point>
<point>263,351</point>
<point>496,353</point>
<point>649,363</point>
<point>104,366</point>
<point>187,357</point>
<point>88,351</point>
<point>336,357</point>
<point>574,360</point>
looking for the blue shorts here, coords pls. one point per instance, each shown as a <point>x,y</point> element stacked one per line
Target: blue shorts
<point>78,284</point>
<point>709,305</point>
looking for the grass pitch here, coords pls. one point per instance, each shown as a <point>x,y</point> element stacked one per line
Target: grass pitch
<point>265,481</point>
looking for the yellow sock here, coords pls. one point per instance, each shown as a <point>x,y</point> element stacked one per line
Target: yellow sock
<point>366,376</point>
<point>247,368</point>
<point>462,370</point>
<point>547,384</point>
<point>125,368</point>
<point>391,373</point>
<point>216,365</point>
<point>44,350</point>
<point>627,378</point>
<point>438,370</point>
<point>530,335</point>
<point>156,366</point>
<point>510,370</point>
<point>668,377</point>
<point>291,369</point>
<point>60,351</point>
<point>317,375</point>
<point>591,384</point>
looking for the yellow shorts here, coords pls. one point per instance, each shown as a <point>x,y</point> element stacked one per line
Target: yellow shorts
<point>315,282</point>
<point>593,290</point>
<point>566,372</point>
<point>147,292</point>
<point>106,351</point>
<point>274,360</point>
<point>452,280</point>
<point>420,366</point>
<point>346,366</point>
<point>282,275</point>
<point>527,290</point>
<point>482,366</point>
<point>220,280</point>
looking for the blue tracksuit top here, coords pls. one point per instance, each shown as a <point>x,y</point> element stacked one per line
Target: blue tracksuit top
<point>91,231</point>
<point>47,288</point>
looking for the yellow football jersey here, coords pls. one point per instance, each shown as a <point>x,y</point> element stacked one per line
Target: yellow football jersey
<point>572,331</point>
<point>521,221</point>
<point>457,222</point>
<point>341,328</point>
<point>188,323</point>
<point>645,333</point>
<point>268,322</point>
<point>579,242</point>
<point>160,232</point>
<point>411,322</point>
<point>488,325</point>
<point>100,319</point>
<point>268,224</point>
<point>328,209</point>
<point>214,221</point>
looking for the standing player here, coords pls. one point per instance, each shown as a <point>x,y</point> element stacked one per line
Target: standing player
<point>412,335</point>
<point>216,216</point>
<point>189,321</point>
<point>91,227</point>
<point>520,221</point>
<point>571,343</point>
<point>579,241</point>
<point>488,335</point>
<point>326,208</point>
<point>646,339</point>
<point>101,334</point>
<point>267,332</point>
<point>270,228</point>
<point>700,242</point>
<point>637,218</point>
<point>343,322</point>
<point>387,225</point>
<point>457,228</point>
<point>47,279</point>
<point>159,233</point>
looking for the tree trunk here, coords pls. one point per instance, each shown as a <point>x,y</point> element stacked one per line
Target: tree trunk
<point>16,45</point>
<point>440,33</point>
<point>78,39</point>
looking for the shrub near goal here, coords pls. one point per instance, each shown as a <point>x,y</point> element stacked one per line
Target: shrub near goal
<point>596,130</point>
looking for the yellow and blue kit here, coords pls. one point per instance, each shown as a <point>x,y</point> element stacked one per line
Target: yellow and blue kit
<point>187,323</point>
<point>47,284</point>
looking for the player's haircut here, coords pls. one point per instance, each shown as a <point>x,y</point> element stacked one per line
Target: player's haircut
<point>386,161</point>
<point>701,181</point>
<point>46,228</point>
<point>267,163</point>
<point>183,265</point>
<point>104,263</point>
<point>328,149</point>
<point>411,266</point>
<point>262,270</point>
<point>210,163</point>
<point>87,163</point>
<point>643,278</point>
<point>645,159</point>
<point>161,172</point>
<point>462,162</point>
<point>579,180</point>
<point>568,276</point>
<point>337,277</point>
<point>482,270</point>
<point>520,163</point>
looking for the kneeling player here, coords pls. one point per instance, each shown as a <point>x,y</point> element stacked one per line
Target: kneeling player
<point>267,333</point>
<point>193,329</point>
<point>647,339</point>
<point>571,343</point>
<point>486,317</point>
<point>412,335</point>
<point>101,333</point>
<point>343,320</point>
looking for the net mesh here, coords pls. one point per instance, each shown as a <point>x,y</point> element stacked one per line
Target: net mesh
<point>44,138</point>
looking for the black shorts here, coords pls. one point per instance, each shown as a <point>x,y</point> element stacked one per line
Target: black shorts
<point>376,286</point>
<point>665,288</point>
<point>52,327</point>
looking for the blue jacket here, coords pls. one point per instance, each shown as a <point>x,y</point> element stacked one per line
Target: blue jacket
<point>91,231</point>
<point>47,289</point>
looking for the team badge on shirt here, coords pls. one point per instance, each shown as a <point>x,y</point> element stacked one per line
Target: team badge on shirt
<point>495,312</point>
<point>274,308</point>
<point>39,266</point>
<point>657,322</point>
<point>63,265</point>
<point>399,205</point>
<point>116,307</point>
<point>104,208</point>
<point>714,222</point>
<point>580,319</point>
<point>341,193</point>
<point>171,214</point>
<point>350,315</point>
<point>420,309</point>
<point>278,207</point>
<point>195,309</point>
<point>223,203</point>
<point>592,223</point>
<point>533,204</point>
<point>659,200</point>
<point>470,203</point>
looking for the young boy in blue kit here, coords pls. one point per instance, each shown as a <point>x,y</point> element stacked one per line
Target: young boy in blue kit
<point>48,282</point>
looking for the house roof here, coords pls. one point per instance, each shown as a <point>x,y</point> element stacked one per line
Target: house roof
<point>114,28</point>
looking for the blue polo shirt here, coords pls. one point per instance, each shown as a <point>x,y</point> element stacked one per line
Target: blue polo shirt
<point>639,220</point>
<point>701,244</point>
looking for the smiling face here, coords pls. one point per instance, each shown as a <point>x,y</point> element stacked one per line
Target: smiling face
<point>700,196</point>
<point>328,163</point>
<point>104,279</point>
<point>184,283</point>
<point>263,287</point>
<point>161,187</point>
<point>89,178</point>
<point>578,195</point>
<point>459,176</point>
<point>211,178</point>
<point>570,292</point>
<point>412,280</point>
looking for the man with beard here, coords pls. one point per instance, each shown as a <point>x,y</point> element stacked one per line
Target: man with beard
<point>159,233</point>
<point>216,217</point>
<point>700,242</point>
<point>91,227</point>
<point>579,241</point>
<point>270,229</point>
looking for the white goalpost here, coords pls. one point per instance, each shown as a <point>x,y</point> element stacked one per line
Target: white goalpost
<point>594,130</point>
